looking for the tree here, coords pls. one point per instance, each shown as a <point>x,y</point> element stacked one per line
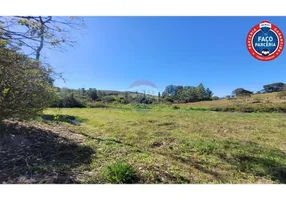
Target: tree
<point>201,92</point>
<point>170,90</point>
<point>25,89</point>
<point>38,32</point>
<point>83,92</point>
<point>209,94</point>
<point>215,98</point>
<point>92,93</point>
<point>274,87</point>
<point>239,92</point>
<point>100,94</point>
<point>70,102</point>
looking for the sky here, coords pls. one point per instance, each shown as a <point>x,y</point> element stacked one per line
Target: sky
<point>114,52</point>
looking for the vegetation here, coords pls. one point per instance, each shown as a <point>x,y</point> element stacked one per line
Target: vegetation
<point>187,94</point>
<point>38,32</point>
<point>25,86</point>
<point>100,136</point>
<point>163,146</point>
<point>240,92</point>
<point>120,172</point>
<point>274,87</point>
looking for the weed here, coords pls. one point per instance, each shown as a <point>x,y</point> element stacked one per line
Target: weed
<point>119,173</point>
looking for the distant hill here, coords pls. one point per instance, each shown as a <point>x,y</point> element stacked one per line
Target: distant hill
<point>122,93</point>
<point>266,98</point>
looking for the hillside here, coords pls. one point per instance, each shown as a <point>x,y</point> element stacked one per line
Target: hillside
<point>256,99</point>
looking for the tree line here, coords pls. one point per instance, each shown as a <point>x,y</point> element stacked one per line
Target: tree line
<point>186,94</point>
<point>268,88</point>
<point>172,94</point>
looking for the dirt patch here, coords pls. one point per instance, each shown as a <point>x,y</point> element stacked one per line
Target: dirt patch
<point>156,144</point>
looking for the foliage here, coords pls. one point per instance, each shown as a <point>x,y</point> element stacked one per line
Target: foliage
<point>108,99</point>
<point>274,87</point>
<point>92,93</point>
<point>215,98</point>
<point>69,102</point>
<point>186,94</point>
<point>25,86</point>
<point>119,173</point>
<point>241,92</point>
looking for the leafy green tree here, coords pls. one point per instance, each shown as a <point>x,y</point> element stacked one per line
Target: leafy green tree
<point>25,89</point>
<point>92,93</point>
<point>274,87</point>
<point>70,102</point>
<point>83,92</point>
<point>170,90</point>
<point>201,92</point>
<point>209,94</point>
<point>100,94</point>
<point>240,92</point>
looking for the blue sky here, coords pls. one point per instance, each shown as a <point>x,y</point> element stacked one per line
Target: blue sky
<point>116,51</point>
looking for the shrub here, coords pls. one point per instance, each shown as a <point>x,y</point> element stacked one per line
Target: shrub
<point>69,102</point>
<point>108,99</point>
<point>25,86</point>
<point>176,107</point>
<point>169,100</point>
<point>215,98</point>
<point>97,105</point>
<point>120,172</point>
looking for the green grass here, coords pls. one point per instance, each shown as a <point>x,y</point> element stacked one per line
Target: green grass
<point>184,146</point>
<point>119,173</point>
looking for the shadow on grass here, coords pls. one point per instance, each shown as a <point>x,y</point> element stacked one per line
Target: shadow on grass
<point>63,118</point>
<point>247,157</point>
<point>34,155</point>
<point>256,160</point>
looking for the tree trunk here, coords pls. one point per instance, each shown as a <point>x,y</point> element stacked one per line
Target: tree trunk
<point>38,50</point>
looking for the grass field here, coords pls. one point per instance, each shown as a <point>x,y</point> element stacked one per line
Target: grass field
<point>266,98</point>
<point>182,146</point>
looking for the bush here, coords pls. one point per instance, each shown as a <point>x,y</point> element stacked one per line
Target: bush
<point>120,172</point>
<point>215,98</point>
<point>169,100</point>
<point>70,102</point>
<point>176,107</point>
<point>25,86</point>
<point>97,105</point>
<point>108,99</point>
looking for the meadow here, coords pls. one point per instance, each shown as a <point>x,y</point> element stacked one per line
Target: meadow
<point>172,146</point>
